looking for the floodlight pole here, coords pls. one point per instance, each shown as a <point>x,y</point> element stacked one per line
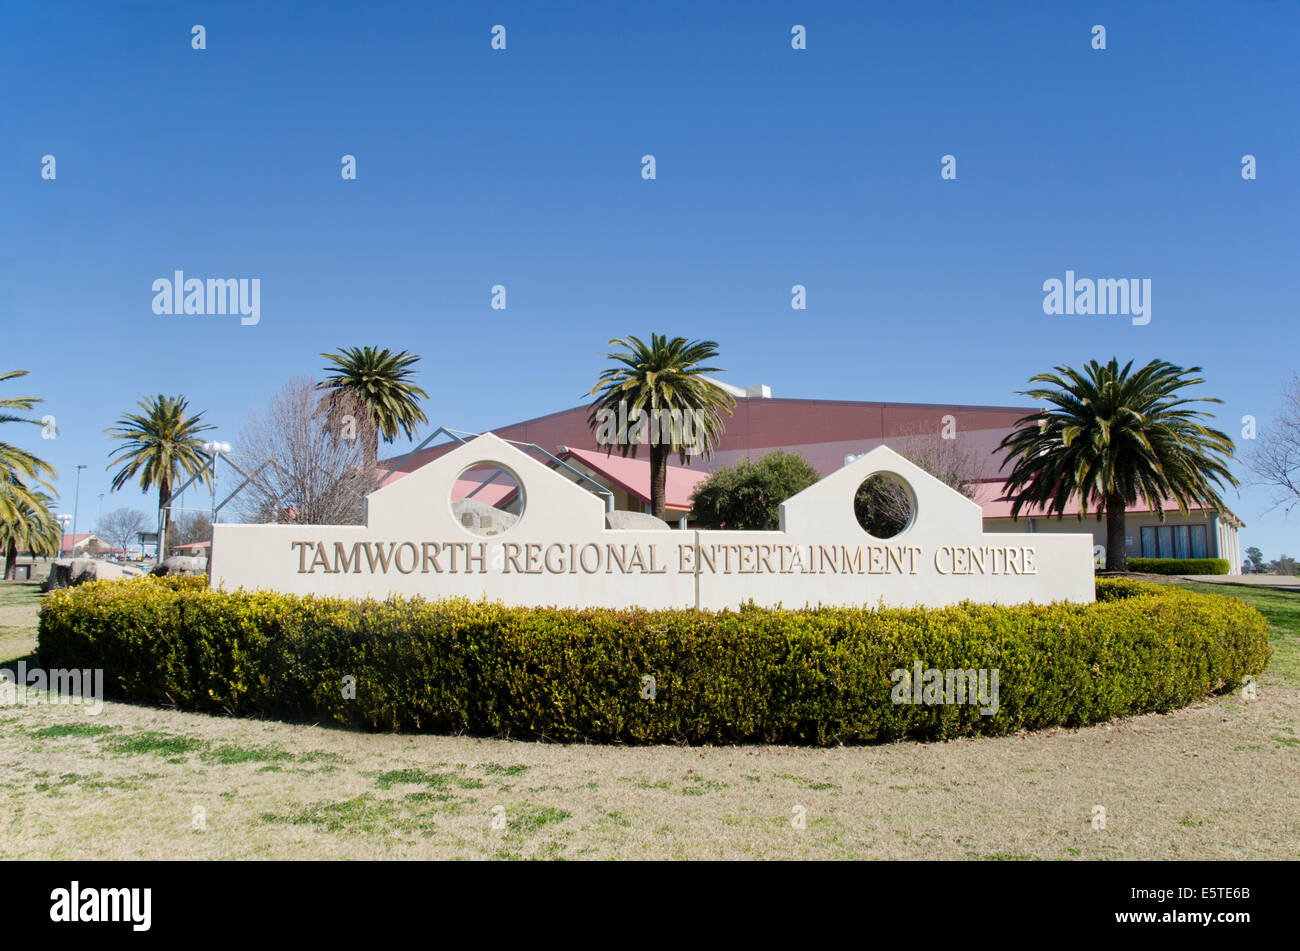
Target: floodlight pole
<point>215,449</point>
<point>64,519</point>
<point>76,504</point>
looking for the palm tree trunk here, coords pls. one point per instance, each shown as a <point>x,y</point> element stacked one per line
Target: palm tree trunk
<point>658,480</point>
<point>372,457</point>
<point>1116,556</point>
<point>164,506</point>
<point>11,560</point>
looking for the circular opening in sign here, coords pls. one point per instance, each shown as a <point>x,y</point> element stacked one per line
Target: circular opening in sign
<point>487,499</point>
<point>884,505</point>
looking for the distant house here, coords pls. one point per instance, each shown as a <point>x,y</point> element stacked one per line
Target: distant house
<point>83,543</point>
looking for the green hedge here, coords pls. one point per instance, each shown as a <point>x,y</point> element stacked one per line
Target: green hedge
<point>1179,566</point>
<point>816,676</point>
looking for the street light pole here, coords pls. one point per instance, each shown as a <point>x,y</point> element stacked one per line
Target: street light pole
<point>76,504</point>
<point>64,519</point>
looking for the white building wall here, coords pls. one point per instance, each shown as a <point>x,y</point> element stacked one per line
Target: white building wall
<point>1221,536</point>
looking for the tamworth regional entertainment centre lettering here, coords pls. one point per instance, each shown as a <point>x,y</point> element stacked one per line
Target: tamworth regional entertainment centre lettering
<point>744,558</point>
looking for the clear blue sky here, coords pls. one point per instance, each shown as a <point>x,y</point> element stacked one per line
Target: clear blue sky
<point>522,168</point>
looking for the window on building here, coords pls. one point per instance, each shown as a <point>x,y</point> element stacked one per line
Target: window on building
<point>1174,541</point>
<point>1199,549</point>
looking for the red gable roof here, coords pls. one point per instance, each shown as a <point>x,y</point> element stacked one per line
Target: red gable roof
<point>822,431</point>
<point>633,476</point>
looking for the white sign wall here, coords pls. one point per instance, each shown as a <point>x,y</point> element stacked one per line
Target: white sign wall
<point>558,551</point>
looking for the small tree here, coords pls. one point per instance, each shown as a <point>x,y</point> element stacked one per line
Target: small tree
<point>1255,558</point>
<point>748,494</point>
<point>193,527</point>
<point>1276,458</point>
<point>1284,565</point>
<point>319,470</point>
<point>121,527</point>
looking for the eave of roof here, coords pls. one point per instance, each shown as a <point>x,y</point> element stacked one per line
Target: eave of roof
<point>989,497</point>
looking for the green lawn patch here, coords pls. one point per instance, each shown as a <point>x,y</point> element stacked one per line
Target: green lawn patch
<point>155,743</point>
<point>71,729</point>
<point>532,818</point>
<point>358,814</point>
<point>228,755</point>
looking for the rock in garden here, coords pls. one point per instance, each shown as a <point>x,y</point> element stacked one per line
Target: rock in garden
<point>181,565</point>
<point>69,572</point>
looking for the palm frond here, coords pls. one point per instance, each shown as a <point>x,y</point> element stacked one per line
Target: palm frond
<point>1112,433</point>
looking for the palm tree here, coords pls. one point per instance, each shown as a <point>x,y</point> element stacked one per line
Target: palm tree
<point>161,447</point>
<point>31,527</point>
<point>664,379</point>
<point>380,383</point>
<point>20,471</point>
<point>1110,438</point>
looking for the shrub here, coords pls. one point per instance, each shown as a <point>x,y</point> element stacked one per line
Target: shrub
<point>1179,566</point>
<point>810,676</point>
<point>748,494</point>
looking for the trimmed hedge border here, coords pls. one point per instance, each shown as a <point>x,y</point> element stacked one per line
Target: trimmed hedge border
<point>812,677</point>
<point>1179,566</point>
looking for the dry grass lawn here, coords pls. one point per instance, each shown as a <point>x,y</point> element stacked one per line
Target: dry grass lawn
<point>1216,780</point>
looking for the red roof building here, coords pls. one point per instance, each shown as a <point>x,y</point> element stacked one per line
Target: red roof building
<point>826,432</point>
<point>83,542</point>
